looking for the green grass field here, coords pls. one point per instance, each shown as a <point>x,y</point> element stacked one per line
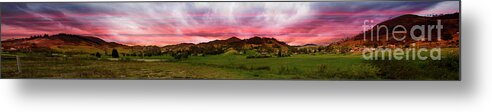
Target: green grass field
<point>295,67</point>
<point>301,66</point>
<point>85,68</point>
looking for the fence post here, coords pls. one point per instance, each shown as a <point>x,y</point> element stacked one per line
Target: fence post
<point>18,64</point>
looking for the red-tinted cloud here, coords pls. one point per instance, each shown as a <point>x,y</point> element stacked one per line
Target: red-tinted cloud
<point>164,23</point>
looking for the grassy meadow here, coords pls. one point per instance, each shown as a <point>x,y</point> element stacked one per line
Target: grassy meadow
<point>231,66</point>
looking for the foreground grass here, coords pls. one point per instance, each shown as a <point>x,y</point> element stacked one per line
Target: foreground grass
<point>99,69</point>
<point>304,66</point>
<point>448,68</point>
<point>319,67</point>
<point>197,67</point>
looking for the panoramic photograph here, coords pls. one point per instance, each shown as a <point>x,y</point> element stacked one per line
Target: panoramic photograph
<point>371,40</point>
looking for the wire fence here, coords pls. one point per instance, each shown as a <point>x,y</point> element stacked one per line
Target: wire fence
<point>13,57</point>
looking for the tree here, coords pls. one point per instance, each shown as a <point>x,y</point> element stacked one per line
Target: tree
<point>279,52</point>
<point>114,53</point>
<point>180,55</point>
<point>98,55</point>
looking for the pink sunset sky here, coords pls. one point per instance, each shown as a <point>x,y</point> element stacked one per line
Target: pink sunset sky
<point>165,23</point>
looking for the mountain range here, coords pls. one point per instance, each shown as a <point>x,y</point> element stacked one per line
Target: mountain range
<point>89,44</point>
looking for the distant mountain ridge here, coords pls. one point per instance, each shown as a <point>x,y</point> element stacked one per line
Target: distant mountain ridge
<point>61,42</point>
<point>261,44</point>
<point>89,44</point>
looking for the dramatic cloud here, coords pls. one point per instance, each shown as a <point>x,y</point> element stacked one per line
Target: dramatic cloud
<point>163,23</point>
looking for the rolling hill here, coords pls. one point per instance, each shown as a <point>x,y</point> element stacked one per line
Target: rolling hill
<point>64,43</point>
<point>69,43</point>
<point>259,44</point>
<point>449,32</point>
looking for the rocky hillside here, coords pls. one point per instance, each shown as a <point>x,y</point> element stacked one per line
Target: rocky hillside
<point>259,44</point>
<point>449,33</point>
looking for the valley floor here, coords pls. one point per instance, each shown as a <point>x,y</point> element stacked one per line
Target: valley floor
<point>302,67</point>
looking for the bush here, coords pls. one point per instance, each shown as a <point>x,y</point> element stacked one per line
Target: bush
<point>258,56</point>
<point>115,54</point>
<point>180,55</point>
<point>451,62</point>
<point>445,69</point>
<point>98,55</point>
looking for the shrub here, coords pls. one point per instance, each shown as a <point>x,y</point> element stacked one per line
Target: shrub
<point>445,69</point>
<point>115,54</point>
<point>258,56</point>
<point>450,61</point>
<point>180,55</point>
<point>98,55</point>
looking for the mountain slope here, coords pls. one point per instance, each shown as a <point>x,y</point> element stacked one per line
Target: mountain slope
<point>68,43</point>
<point>449,33</point>
<point>260,44</point>
<point>61,43</point>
